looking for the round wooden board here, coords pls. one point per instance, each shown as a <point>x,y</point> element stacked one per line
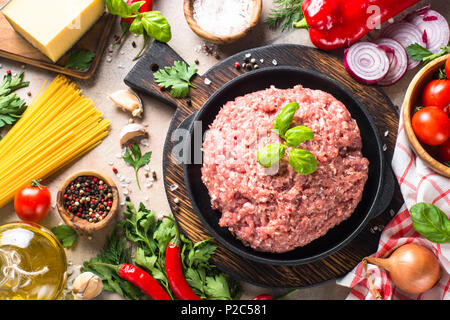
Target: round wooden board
<point>378,104</point>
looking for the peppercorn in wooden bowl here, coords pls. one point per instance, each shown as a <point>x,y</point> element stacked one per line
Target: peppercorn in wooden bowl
<point>216,23</point>
<point>412,100</point>
<point>87,200</point>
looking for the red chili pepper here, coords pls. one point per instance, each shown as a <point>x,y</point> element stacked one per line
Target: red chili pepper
<point>140,279</point>
<point>335,24</point>
<point>174,271</point>
<point>263,297</point>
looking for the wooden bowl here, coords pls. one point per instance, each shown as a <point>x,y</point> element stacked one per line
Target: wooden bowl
<point>78,223</point>
<point>413,98</point>
<point>189,15</point>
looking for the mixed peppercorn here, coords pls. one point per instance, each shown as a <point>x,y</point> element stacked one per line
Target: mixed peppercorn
<point>89,198</point>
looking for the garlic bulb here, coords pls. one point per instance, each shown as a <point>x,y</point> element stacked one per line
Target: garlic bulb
<point>128,100</point>
<point>87,286</point>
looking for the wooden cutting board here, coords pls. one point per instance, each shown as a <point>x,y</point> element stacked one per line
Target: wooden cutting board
<point>14,47</point>
<point>378,104</point>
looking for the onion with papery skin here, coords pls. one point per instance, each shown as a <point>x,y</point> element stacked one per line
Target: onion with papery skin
<point>435,26</point>
<point>366,62</point>
<point>398,58</point>
<point>411,267</point>
<point>406,34</point>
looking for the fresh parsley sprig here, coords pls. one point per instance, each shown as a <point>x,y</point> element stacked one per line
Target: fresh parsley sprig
<point>134,157</point>
<point>419,53</point>
<point>141,232</point>
<point>79,59</point>
<point>176,78</point>
<point>301,160</point>
<point>11,105</point>
<point>285,14</point>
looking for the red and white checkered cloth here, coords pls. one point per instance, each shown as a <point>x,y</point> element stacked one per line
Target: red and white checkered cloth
<point>418,184</point>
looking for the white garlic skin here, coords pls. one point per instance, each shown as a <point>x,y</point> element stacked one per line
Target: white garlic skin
<point>87,286</point>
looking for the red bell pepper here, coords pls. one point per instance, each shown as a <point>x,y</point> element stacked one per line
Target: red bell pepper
<point>335,24</point>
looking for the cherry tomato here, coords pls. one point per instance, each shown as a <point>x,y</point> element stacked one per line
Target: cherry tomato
<point>436,94</point>
<point>447,68</point>
<point>147,6</point>
<point>431,125</point>
<point>32,202</point>
<point>444,151</point>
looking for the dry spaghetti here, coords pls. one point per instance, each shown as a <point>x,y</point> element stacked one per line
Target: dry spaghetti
<point>59,126</point>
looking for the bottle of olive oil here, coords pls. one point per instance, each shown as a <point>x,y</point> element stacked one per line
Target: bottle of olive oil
<point>32,263</point>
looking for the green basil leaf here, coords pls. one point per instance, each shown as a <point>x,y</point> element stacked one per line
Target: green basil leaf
<point>156,26</point>
<point>431,222</point>
<point>270,154</point>
<point>137,26</point>
<point>302,161</point>
<point>297,135</point>
<point>135,7</point>
<point>283,120</point>
<point>118,8</point>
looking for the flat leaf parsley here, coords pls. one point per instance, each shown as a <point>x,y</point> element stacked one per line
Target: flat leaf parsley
<point>176,78</point>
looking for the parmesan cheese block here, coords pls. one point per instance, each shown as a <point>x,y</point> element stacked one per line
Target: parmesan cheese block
<point>53,26</point>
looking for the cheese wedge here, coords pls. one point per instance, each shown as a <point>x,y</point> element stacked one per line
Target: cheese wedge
<point>53,26</point>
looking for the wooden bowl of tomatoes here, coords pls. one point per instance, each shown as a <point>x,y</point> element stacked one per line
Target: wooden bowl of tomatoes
<point>426,114</point>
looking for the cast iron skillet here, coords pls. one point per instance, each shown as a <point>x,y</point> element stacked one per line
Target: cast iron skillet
<point>377,193</point>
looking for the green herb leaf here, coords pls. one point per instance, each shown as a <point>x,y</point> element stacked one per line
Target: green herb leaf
<point>136,159</point>
<point>284,118</point>
<point>419,53</point>
<point>79,59</point>
<point>65,234</point>
<point>431,222</point>
<point>297,135</point>
<point>156,26</point>
<point>11,106</point>
<point>152,22</point>
<point>176,78</point>
<point>285,14</point>
<point>302,161</point>
<point>271,154</point>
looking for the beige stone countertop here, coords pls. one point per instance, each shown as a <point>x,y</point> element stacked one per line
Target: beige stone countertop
<point>109,78</point>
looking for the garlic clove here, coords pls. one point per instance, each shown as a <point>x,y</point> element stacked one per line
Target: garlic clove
<point>87,286</point>
<point>131,131</point>
<point>128,100</point>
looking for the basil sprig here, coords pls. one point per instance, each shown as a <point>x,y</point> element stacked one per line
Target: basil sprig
<point>271,154</point>
<point>431,222</point>
<point>301,160</point>
<point>150,23</point>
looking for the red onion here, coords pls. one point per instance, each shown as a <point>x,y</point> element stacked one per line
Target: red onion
<point>435,26</point>
<point>398,59</point>
<point>366,62</point>
<point>406,34</point>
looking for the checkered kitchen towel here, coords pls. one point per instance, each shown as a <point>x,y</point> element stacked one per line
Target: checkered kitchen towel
<point>418,184</point>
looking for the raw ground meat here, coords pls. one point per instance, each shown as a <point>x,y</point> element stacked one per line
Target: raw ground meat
<point>276,209</point>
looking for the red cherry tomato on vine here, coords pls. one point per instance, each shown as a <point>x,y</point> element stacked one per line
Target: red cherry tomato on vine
<point>32,202</point>
<point>436,94</point>
<point>263,297</point>
<point>447,68</point>
<point>444,151</point>
<point>431,125</point>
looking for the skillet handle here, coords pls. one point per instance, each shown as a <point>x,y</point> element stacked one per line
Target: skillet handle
<point>158,56</point>
<point>387,193</point>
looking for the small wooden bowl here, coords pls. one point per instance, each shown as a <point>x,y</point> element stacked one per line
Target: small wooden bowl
<point>413,98</point>
<point>189,15</point>
<point>78,223</point>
